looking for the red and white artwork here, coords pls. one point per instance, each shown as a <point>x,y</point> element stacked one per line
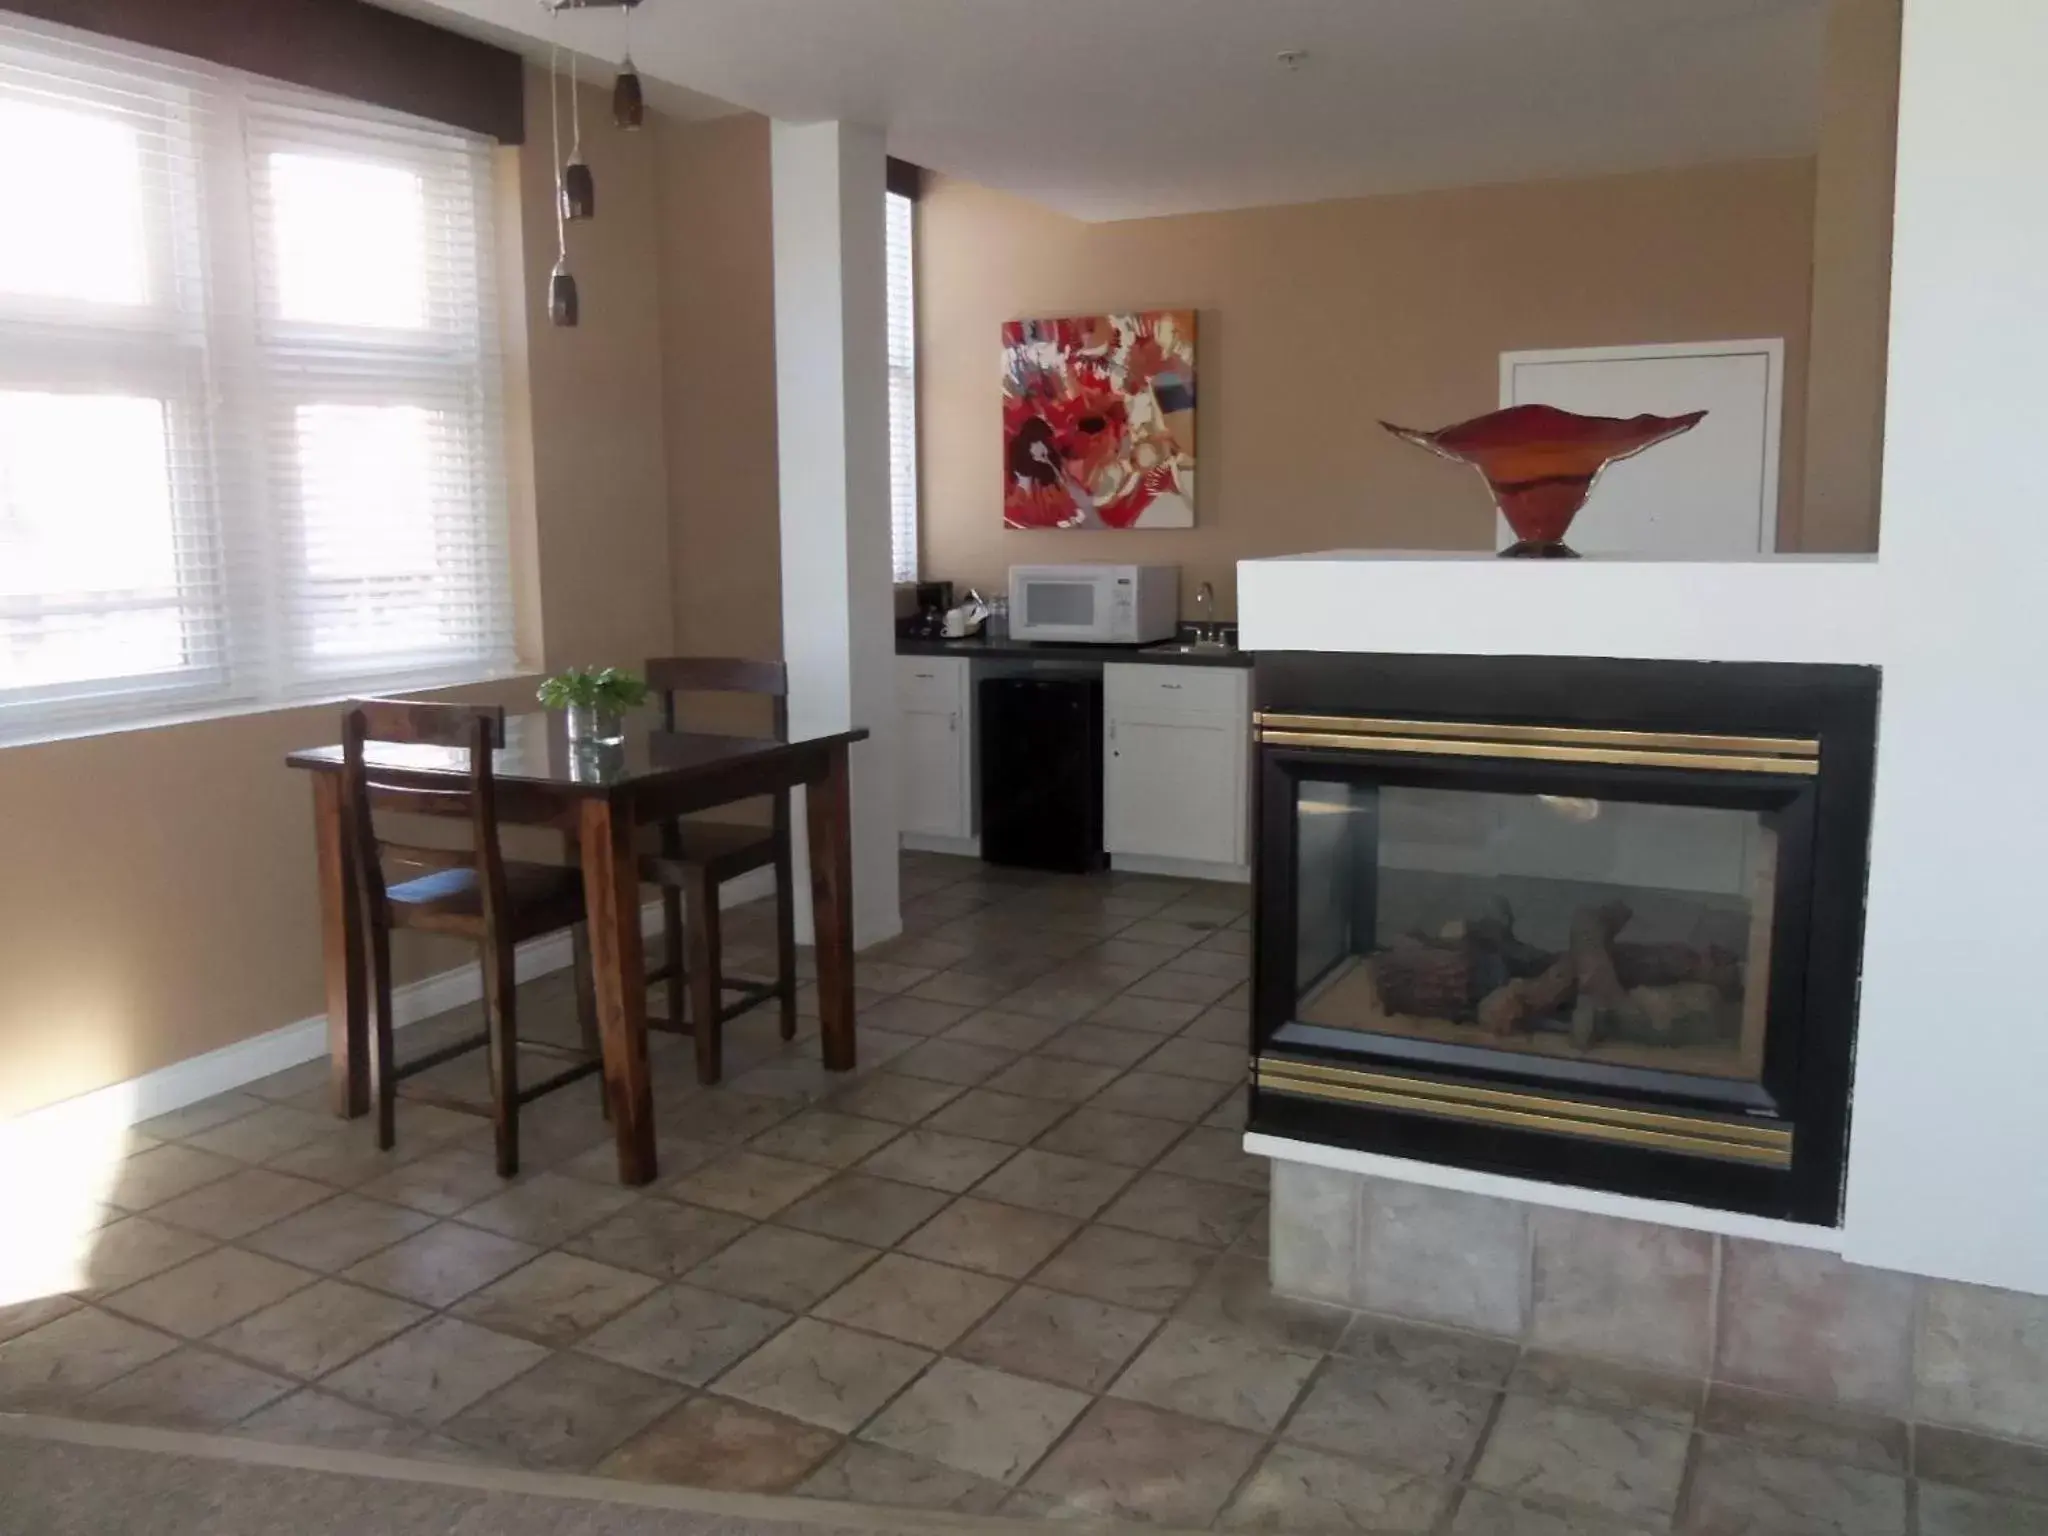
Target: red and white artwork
<point>1099,421</point>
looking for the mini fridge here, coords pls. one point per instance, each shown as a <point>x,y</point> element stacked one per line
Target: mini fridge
<point>1041,772</point>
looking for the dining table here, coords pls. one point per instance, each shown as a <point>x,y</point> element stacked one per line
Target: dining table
<point>599,795</point>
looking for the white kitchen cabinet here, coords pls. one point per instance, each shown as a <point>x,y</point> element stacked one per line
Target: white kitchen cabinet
<point>1175,747</point>
<point>935,751</point>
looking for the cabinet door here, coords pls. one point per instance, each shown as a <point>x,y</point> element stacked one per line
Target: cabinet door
<point>1172,789</point>
<point>931,776</point>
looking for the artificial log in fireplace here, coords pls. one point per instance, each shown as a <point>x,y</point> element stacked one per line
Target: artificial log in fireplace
<point>1595,922</point>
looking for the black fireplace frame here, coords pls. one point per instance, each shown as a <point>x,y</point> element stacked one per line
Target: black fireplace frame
<point>1823,825</point>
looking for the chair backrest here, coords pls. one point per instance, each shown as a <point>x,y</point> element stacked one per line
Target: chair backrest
<point>673,675</point>
<point>369,786</point>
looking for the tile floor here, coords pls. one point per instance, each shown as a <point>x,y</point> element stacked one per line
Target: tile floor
<point>1014,1264</point>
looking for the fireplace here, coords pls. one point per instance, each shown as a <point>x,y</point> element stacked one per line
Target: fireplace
<point>1581,921</point>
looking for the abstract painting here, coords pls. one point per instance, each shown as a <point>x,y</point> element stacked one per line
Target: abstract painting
<point>1099,421</point>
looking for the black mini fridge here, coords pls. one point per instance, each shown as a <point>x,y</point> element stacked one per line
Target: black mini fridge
<point>1041,772</point>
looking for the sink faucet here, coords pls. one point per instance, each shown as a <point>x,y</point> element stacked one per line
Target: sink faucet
<point>1205,612</point>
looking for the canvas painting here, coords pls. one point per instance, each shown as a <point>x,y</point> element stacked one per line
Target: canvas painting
<point>1099,421</point>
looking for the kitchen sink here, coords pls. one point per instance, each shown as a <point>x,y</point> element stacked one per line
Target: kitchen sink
<point>1191,648</point>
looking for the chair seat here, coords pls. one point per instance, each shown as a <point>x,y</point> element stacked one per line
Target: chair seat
<point>544,897</point>
<point>723,848</point>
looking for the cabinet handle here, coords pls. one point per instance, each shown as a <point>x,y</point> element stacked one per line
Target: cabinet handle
<point>953,721</point>
<point>927,676</point>
<point>1175,687</point>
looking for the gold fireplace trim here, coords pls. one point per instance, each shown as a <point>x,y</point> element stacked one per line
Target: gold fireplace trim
<point>1699,1135</point>
<point>1552,743</point>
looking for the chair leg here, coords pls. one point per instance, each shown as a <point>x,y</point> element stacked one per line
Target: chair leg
<point>702,928</point>
<point>586,1006</point>
<point>502,1015</point>
<point>672,953</point>
<point>383,1057</point>
<point>785,935</point>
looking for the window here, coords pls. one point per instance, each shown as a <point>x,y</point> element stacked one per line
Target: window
<point>250,432</point>
<point>902,387</point>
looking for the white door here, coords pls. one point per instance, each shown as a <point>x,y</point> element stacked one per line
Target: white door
<point>1171,789</point>
<point>931,774</point>
<point>1712,492</point>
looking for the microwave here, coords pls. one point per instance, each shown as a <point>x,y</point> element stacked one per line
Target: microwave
<point>1095,604</point>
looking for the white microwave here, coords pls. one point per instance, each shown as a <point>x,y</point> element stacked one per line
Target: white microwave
<point>1094,604</point>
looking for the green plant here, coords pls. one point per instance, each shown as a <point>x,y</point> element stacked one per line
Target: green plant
<point>604,687</point>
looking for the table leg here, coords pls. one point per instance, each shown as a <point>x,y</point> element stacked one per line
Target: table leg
<point>611,894</point>
<point>341,948</point>
<point>828,810</point>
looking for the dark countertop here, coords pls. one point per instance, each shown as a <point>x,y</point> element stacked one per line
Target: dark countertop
<point>1155,654</point>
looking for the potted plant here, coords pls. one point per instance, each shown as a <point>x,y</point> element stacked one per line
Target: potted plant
<point>596,699</point>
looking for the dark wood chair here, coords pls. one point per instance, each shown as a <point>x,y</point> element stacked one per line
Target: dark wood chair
<point>692,858</point>
<point>472,893</point>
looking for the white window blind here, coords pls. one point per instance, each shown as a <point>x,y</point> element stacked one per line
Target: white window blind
<point>902,388</point>
<point>250,429</point>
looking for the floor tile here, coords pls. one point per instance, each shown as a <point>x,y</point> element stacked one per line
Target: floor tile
<point>1481,1513</point>
<point>939,1161</point>
<point>312,1417</point>
<point>1226,1378</point>
<point>872,1474</point>
<point>442,1264</point>
<point>673,1155</point>
<point>913,1300</point>
<point>1234,965</point>
<point>436,1370</point>
<point>963,986</point>
<point>1442,1354</point>
<point>440,1183</point>
<point>711,1443</point>
<point>1102,1046</point>
<point>823,1375</point>
<point>1979,1462</point>
<point>190,1388</point>
<point>566,1413</point>
<point>1186,1210</point>
<point>1169,933</point>
<point>318,1330</point>
<point>1182,1057</point>
<point>1074,1341</point>
<point>1583,1383</point>
<point>782,1268</point>
<point>893,1097</point>
<point>1816,1430</point>
<point>1130,1269</point>
<point>1308,1491</point>
<point>824,1138</point>
<point>1175,986</point>
<point>1392,1419</point>
<point>1739,1490</point>
<point>659,1238</point>
<point>684,1334</point>
<point>1149,1015</point>
<point>263,1135</point>
<point>1217,1157</point>
<point>1237,1297</point>
<point>883,976</point>
<point>149,1178</point>
<point>546,1209</point>
<point>240,1203</point>
<point>997,1239</point>
<point>1052,1182</point>
<point>203,1116</point>
<point>859,1208</point>
<point>1946,1511</point>
<point>23,1316</point>
<point>986,1422</point>
<point>728,1117</point>
<point>950,1061</point>
<point>1159,1095</point>
<point>1126,951</point>
<point>209,1292</point>
<point>998,1117</point>
<point>1003,1031</point>
<point>1221,1025</point>
<point>1127,1461</point>
<point>556,1299</point>
<point>913,1015</point>
<point>133,1249</point>
<point>1109,1136</point>
<point>748,1184</point>
<point>53,1366</point>
<point>1621,1465</point>
<point>1051,1077</point>
<point>337,1232</point>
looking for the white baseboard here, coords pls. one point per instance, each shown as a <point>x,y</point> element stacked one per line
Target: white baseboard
<point>1180,869</point>
<point>925,842</point>
<point>260,1056</point>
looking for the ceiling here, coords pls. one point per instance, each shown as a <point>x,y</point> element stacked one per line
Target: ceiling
<point>1109,109</point>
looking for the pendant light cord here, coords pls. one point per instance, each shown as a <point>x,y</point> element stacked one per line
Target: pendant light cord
<point>575,115</point>
<point>555,138</point>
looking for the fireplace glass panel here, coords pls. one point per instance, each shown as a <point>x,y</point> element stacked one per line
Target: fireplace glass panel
<point>1611,931</point>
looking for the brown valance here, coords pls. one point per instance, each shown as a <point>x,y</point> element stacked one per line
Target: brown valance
<point>905,179</point>
<point>344,47</point>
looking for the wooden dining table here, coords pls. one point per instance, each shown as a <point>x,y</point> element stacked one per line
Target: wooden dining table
<point>600,797</point>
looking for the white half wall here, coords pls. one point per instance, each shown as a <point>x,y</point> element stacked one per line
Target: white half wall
<point>832,428</point>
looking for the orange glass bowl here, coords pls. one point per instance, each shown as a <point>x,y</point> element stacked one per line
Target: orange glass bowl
<point>1541,463</point>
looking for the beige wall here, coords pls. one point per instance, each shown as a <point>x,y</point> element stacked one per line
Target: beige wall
<point>1318,321</point>
<point>158,898</point>
<point>1852,253</point>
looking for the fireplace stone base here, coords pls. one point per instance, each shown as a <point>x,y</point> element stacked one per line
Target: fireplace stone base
<point>1739,1311</point>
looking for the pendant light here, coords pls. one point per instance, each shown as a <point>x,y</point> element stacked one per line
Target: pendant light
<point>579,187</point>
<point>562,305</point>
<point>629,107</point>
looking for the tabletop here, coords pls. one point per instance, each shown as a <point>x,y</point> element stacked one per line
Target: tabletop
<point>537,751</point>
